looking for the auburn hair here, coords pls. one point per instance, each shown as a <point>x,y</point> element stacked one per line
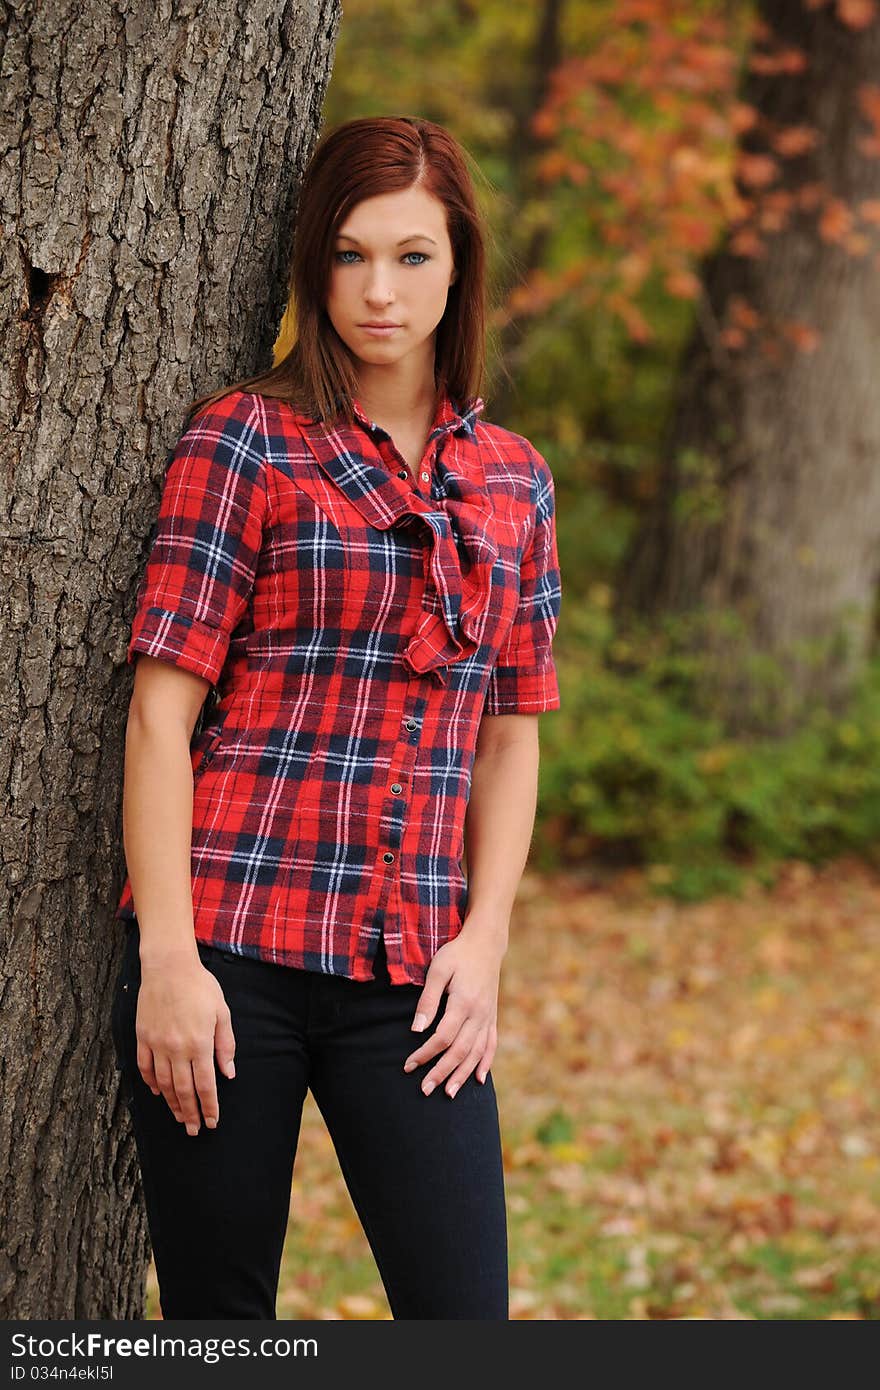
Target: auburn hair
<point>353,161</point>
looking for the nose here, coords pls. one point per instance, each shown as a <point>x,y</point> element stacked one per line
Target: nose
<point>378,291</point>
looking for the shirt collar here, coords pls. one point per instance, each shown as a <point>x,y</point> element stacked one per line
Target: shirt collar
<point>447,417</point>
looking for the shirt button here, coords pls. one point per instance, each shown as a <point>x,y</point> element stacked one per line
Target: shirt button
<point>426,477</point>
<point>402,473</point>
<point>411,724</point>
<point>396,787</point>
<point>388,857</point>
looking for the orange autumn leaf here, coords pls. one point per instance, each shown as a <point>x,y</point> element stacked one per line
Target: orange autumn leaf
<point>835,221</point>
<point>742,117</point>
<point>856,14</point>
<point>786,61</point>
<point>868,97</point>
<point>746,242</point>
<point>683,284</point>
<point>757,170</point>
<point>804,336</point>
<point>741,312</point>
<point>794,140</point>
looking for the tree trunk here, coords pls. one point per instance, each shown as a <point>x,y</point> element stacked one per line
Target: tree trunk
<point>523,100</point>
<point>769,495</point>
<point>148,194</point>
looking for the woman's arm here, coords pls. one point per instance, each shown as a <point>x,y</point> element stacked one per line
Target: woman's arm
<point>182,1017</point>
<point>500,819</point>
<point>500,815</point>
<point>195,589</point>
<point>498,831</point>
<point>157,806</point>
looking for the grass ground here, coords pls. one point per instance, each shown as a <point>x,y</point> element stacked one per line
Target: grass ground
<point>689,1106</point>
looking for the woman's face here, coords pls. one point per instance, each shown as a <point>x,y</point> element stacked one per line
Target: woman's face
<point>392,263</point>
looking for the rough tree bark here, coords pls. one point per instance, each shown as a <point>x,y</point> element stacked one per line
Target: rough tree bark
<point>151,156</point>
<point>769,496</point>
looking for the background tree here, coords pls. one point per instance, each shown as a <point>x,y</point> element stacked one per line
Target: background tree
<point>148,194</point>
<point>768,505</point>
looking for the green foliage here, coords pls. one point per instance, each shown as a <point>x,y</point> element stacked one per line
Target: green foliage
<point>556,1129</point>
<point>633,773</point>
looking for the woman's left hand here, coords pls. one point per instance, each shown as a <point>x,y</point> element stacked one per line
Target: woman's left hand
<point>467,1035</point>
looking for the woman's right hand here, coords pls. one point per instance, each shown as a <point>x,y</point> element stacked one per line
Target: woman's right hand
<point>182,1021</point>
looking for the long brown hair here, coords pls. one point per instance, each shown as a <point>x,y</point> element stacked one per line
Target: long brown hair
<point>353,161</point>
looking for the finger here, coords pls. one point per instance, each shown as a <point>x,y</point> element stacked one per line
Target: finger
<point>181,1068</point>
<point>485,1065</point>
<point>165,1080</point>
<point>429,1000</point>
<point>206,1088</point>
<point>445,1033</point>
<point>452,1057</point>
<point>463,1071</point>
<point>489,1055</point>
<point>146,1067</point>
<point>224,1045</point>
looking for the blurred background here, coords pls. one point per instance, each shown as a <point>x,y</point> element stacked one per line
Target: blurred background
<point>684,207</point>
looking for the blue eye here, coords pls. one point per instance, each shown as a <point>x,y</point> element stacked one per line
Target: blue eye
<point>339,254</point>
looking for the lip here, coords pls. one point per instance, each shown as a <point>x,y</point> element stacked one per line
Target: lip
<point>381,329</point>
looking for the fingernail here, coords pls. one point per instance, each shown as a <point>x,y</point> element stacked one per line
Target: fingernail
<point>419,1023</point>
<point>452,1090</point>
<point>230,1070</point>
<point>427,1087</point>
<point>409,1066</point>
<point>192,1129</point>
<point>212,1124</point>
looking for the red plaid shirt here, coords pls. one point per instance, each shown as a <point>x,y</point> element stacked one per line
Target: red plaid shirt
<point>356,624</point>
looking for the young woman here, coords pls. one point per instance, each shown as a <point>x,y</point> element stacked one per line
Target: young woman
<point>363,577</point>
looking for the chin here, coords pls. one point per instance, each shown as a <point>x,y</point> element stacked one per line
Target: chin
<point>377,352</point>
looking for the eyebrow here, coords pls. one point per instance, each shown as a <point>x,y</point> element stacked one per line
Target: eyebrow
<point>416,236</point>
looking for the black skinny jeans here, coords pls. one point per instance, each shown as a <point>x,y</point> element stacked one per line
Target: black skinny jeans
<point>424,1172</point>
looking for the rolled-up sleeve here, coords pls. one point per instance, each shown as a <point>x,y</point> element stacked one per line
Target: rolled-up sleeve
<point>206,539</point>
<point>524,678</point>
